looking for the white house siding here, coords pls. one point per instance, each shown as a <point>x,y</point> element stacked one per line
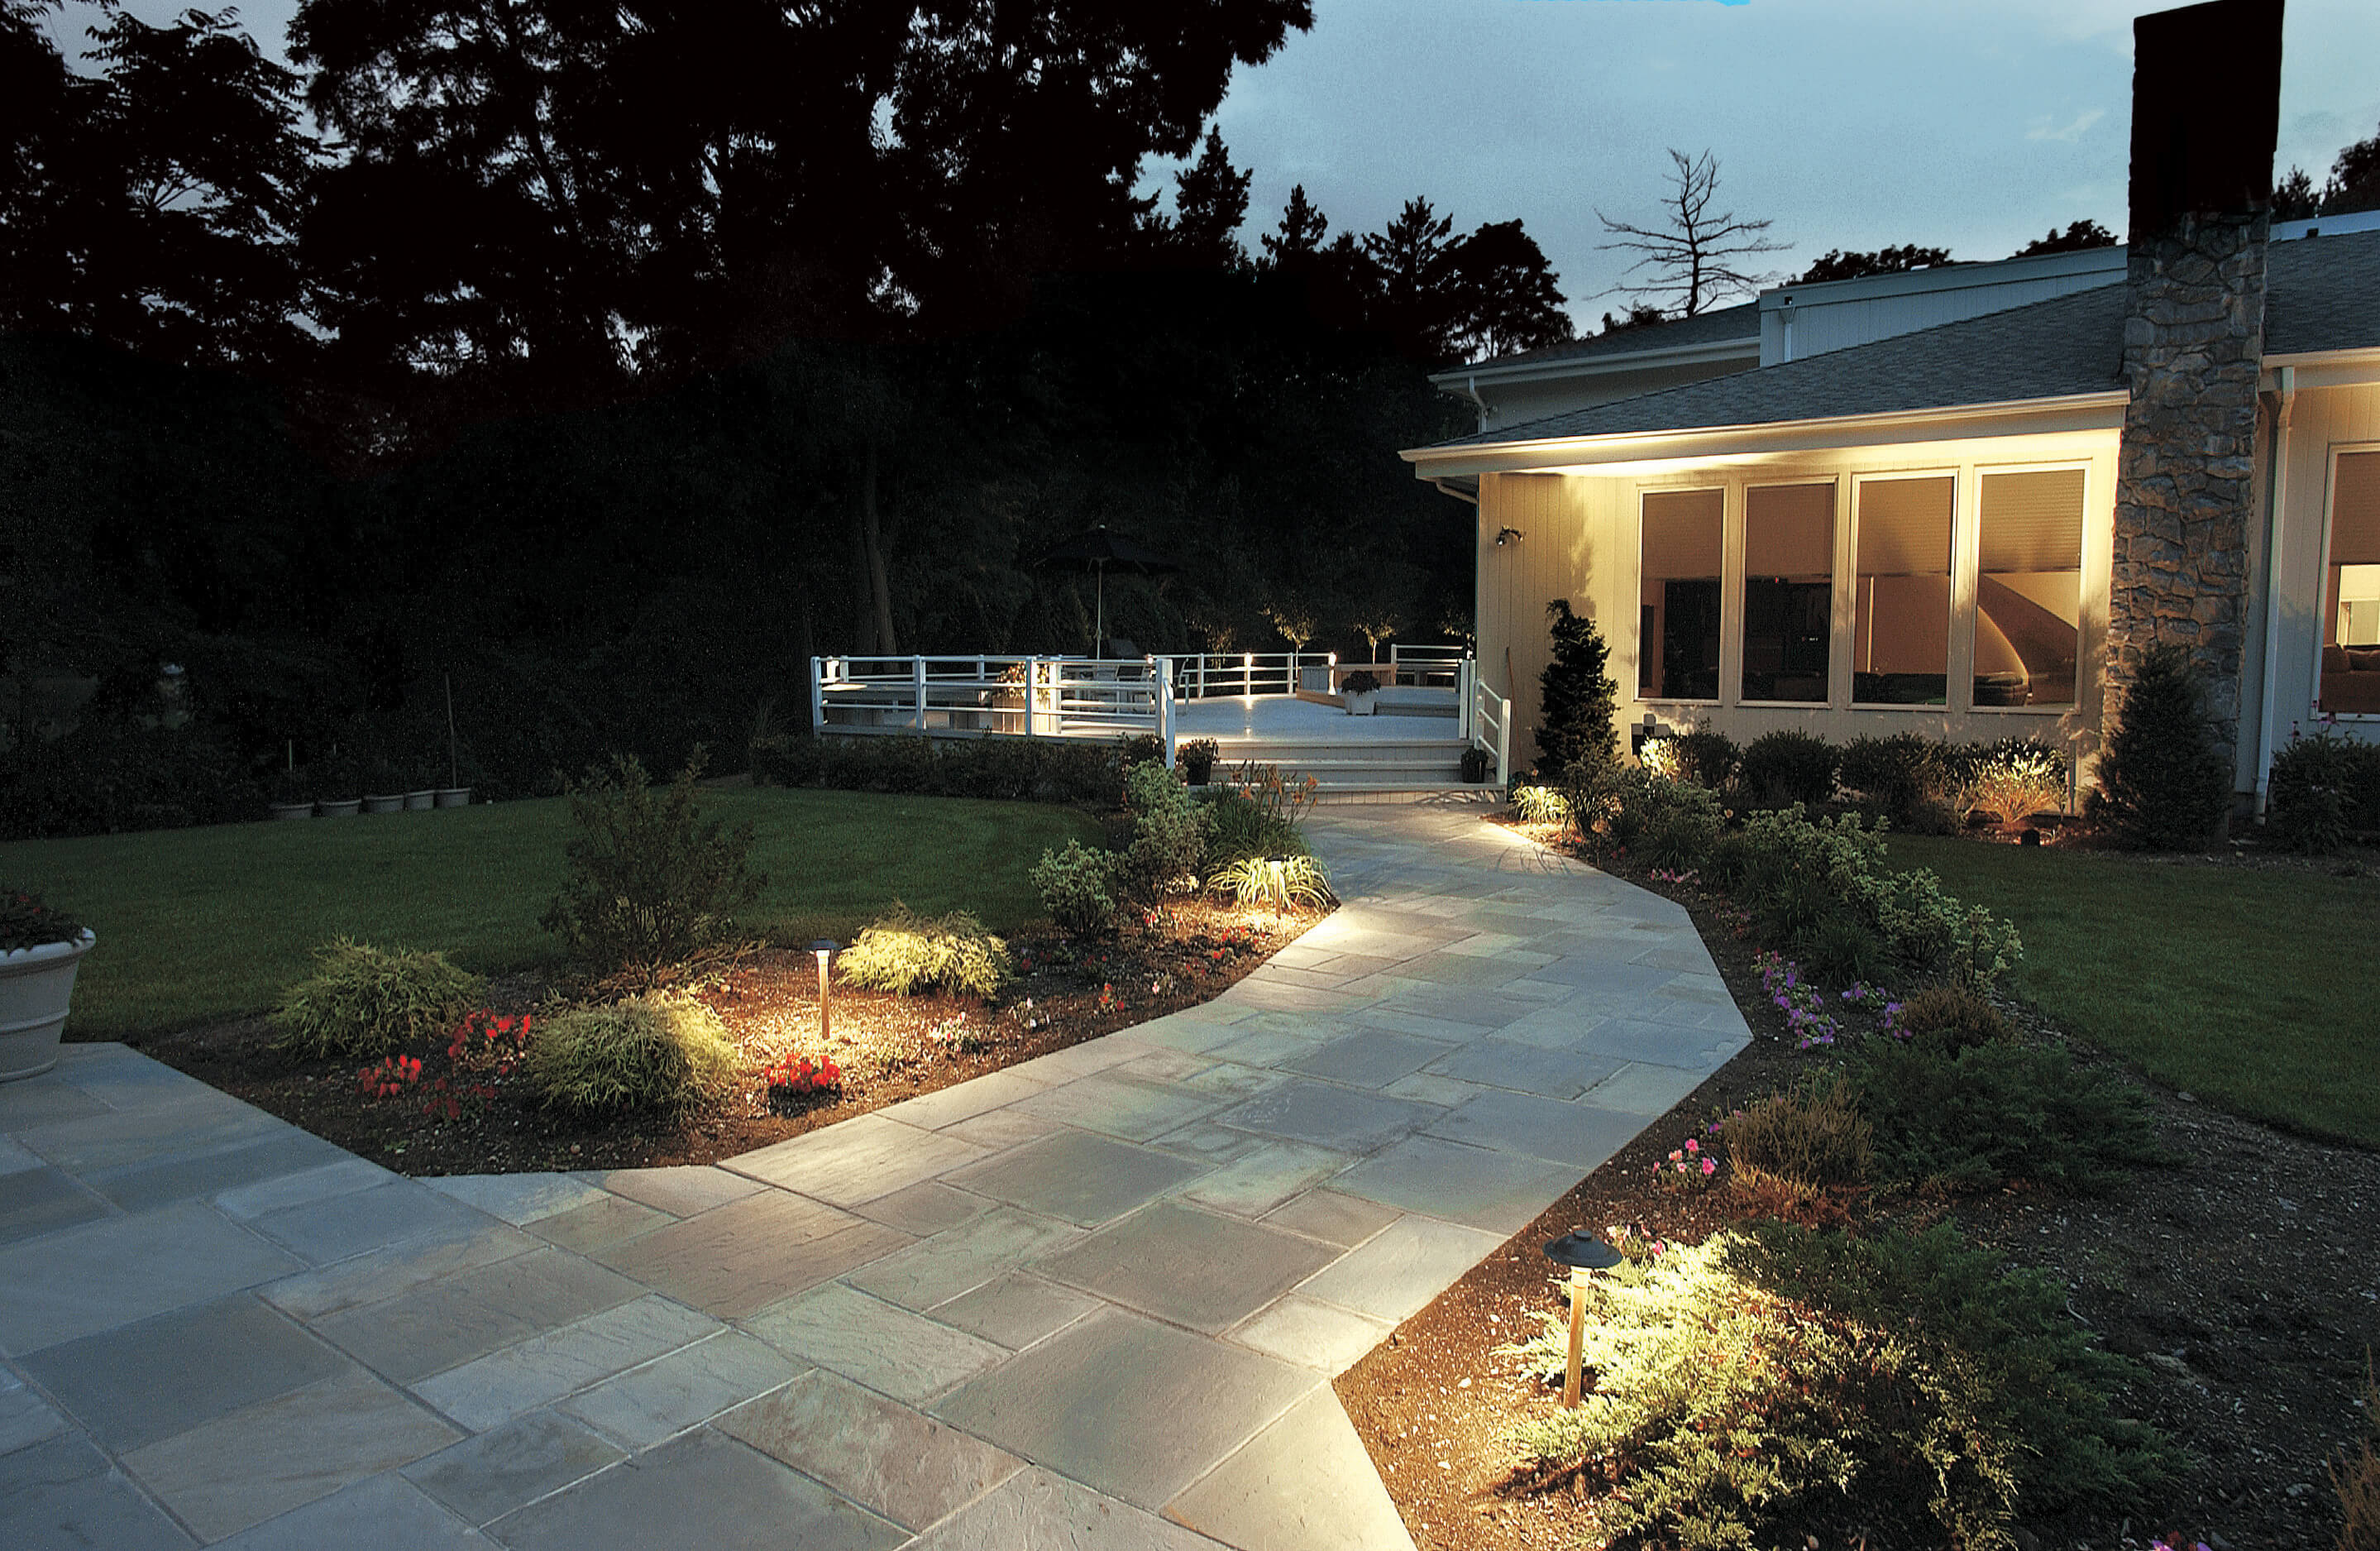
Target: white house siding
<point>1798,322</point>
<point>1579,541</point>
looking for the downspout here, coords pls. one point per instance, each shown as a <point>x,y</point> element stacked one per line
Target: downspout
<point>1461,494</point>
<point>2275,488</point>
<point>1470,391</point>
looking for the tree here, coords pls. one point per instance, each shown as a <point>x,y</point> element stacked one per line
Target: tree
<point>2163,783</point>
<point>2078,235</point>
<point>2295,197</point>
<point>1298,238</point>
<point>1576,698</point>
<point>1840,265</point>
<point>2354,178</point>
<point>1691,254</point>
<point>1210,199</point>
<point>1505,296</point>
<point>1640,315</point>
<point>1412,262</point>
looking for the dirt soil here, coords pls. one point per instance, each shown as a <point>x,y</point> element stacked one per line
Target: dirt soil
<point>2243,1278</point>
<point>888,1047</point>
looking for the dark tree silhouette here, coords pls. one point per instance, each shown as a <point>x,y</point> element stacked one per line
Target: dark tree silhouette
<point>2163,783</point>
<point>1576,698</point>
<point>2295,197</point>
<point>1506,296</point>
<point>1299,235</point>
<point>1640,315</point>
<point>1210,201</point>
<point>1837,264</point>
<point>2354,178</point>
<point>1692,256</point>
<point>2078,235</point>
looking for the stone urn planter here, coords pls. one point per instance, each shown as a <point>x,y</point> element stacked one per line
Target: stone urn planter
<point>345,808</point>
<point>36,983</point>
<point>453,796</point>
<point>420,801</point>
<point>1357,691</point>
<point>293,810</point>
<point>388,802</point>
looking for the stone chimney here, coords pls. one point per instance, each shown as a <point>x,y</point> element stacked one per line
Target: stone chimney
<point>2207,94</point>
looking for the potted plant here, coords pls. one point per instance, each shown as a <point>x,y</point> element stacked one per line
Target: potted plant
<point>1197,759</point>
<point>1356,692</point>
<point>384,786</point>
<point>1475,765</point>
<point>40,950</point>
<point>420,785</point>
<point>293,795</point>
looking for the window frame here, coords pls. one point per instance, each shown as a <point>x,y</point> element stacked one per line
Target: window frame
<point>1730,620</point>
<point>1837,638</point>
<point>2091,476</point>
<point>2322,608</point>
<point>1958,694</point>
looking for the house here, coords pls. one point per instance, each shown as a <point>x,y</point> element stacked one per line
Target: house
<point>1965,501</point>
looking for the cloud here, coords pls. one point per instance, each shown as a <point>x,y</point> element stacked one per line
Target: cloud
<point>2047,128</point>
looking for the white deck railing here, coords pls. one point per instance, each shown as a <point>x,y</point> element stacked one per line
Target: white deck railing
<point>1076,697</point>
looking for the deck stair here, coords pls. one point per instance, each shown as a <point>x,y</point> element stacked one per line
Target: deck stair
<point>1372,766</point>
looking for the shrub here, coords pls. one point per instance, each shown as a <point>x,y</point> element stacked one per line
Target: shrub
<point>1283,883</point>
<point>1892,772</point>
<point>1169,836</point>
<point>1255,815</point>
<point>906,951</point>
<point>1197,757</point>
<point>25,921</point>
<point>1079,887</point>
<point>1972,1119</point>
<point>363,1002</point>
<point>1789,765</point>
<point>2322,788</point>
<point>1539,804</point>
<point>1653,819</point>
<point>1363,681</point>
<point>1139,747</point>
<point>2356,1476</point>
<point>1786,1385</point>
<point>2014,779</point>
<point>652,889</point>
<point>1577,697</point>
<point>1809,1138</point>
<point>2163,783</point>
<point>1705,757</point>
<point>1951,1018</point>
<point>658,1051</point>
<point>110,776</point>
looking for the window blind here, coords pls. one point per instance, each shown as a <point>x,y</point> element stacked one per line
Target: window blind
<point>2355,510</point>
<point>1790,531</point>
<point>1904,527</point>
<point>2032,522</point>
<point>1682,533</point>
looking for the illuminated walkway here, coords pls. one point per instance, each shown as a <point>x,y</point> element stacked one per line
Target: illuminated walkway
<point>1093,1300</point>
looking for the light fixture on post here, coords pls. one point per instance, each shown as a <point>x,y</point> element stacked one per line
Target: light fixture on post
<point>1507,535</point>
<point>826,949</point>
<point>1582,1253</point>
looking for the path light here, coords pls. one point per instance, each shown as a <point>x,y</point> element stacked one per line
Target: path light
<point>1583,1253</point>
<point>825,947</point>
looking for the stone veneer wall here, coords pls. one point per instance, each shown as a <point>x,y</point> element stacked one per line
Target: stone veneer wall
<point>2194,345</point>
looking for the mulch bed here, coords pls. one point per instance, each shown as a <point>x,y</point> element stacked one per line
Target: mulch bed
<point>2244,1278</point>
<point>889,1048</point>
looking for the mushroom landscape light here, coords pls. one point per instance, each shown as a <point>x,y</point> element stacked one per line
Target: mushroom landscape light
<point>1584,1254</point>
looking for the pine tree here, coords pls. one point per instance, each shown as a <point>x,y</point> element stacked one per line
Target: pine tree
<point>1577,697</point>
<point>2162,784</point>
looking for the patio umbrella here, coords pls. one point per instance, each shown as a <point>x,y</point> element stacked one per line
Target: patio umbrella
<point>1095,550</point>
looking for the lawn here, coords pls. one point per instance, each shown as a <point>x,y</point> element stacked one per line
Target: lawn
<point>202,923</point>
<point>2246,987</point>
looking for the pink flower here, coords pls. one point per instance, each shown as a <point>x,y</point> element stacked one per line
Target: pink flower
<point>1709,1168</point>
<point>1692,1146</point>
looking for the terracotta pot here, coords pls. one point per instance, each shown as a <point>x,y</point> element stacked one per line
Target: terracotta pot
<point>35,985</point>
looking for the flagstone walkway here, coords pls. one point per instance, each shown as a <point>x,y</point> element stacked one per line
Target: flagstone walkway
<point>1094,1300</point>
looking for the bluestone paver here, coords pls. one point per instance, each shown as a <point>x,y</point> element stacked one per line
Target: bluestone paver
<point>1187,1266</point>
<point>682,1190</point>
<point>1333,1217</point>
<point>881,1345</point>
<point>1579,1134</point>
<point>959,1260</point>
<point>883,1455</point>
<point>1304,1484</point>
<point>1264,1177</point>
<point>1017,1310</point>
<point>1325,1114</point>
<point>1076,1175</point>
<point>100,1275</point>
<point>1312,1334</point>
<point>518,1199</point>
<point>682,1389</point>
<point>736,1258</point>
<point>488,1474</point>
<point>448,1322</point>
<point>495,1388</point>
<point>1046,1511</point>
<point>742,1500</point>
<point>380,1513</point>
<point>64,1496</point>
<point>856,1161</point>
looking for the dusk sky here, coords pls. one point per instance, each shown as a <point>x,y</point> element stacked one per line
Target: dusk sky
<point>1849,122</point>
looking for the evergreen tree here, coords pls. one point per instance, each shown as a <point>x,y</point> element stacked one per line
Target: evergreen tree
<point>1577,697</point>
<point>2162,784</point>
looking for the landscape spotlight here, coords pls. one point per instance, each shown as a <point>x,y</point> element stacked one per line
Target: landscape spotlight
<point>1506,535</point>
<point>825,947</point>
<point>1583,1253</point>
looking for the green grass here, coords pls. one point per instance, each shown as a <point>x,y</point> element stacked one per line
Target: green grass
<point>202,923</point>
<point>2252,989</point>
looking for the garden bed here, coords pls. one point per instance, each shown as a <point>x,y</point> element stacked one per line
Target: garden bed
<point>2239,1277</point>
<point>887,1048</point>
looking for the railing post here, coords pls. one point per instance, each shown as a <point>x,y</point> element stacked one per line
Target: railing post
<point>1504,742</point>
<point>818,694</point>
<point>918,684</point>
<point>1163,689</point>
<point>1464,691</point>
<point>1248,671</point>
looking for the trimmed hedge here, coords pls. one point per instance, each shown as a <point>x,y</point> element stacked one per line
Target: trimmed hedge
<point>1024,769</point>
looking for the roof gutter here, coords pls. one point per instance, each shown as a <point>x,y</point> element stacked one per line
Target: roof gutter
<point>2102,410</point>
<point>1466,380</point>
<point>2278,400</point>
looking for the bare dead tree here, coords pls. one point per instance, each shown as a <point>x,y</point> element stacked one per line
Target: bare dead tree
<point>1690,256</point>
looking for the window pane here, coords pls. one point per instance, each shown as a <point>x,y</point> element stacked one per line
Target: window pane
<point>2029,588</point>
<point>1901,636</point>
<point>1677,643</point>
<point>1789,591</point>
<point>2350,634</point>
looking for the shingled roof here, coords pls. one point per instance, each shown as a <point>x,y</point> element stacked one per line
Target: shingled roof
<point>2321,294</point>
<point>1704,328</point>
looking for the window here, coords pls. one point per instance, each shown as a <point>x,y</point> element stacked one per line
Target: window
<point>1901,633</point>
<point>1677,642</point>
<point>2029,588</point>
<point>1789,591</point>
<point>2350,630</point>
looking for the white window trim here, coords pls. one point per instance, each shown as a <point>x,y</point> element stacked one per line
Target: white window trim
<point>1956,698</point>
<point>2314,712</point>
<point>2091,477</point>
<point>1728,501</point>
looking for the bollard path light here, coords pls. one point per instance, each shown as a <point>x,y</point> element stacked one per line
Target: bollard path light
<point>1584,1254</point>
<point>826,949</point>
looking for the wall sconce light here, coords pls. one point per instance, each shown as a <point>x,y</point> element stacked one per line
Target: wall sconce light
<point>1584,1254</point>
<point>1507,535</point>
<point>826,949</point>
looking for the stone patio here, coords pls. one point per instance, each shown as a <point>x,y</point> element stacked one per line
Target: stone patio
<point>1093,1300</point>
